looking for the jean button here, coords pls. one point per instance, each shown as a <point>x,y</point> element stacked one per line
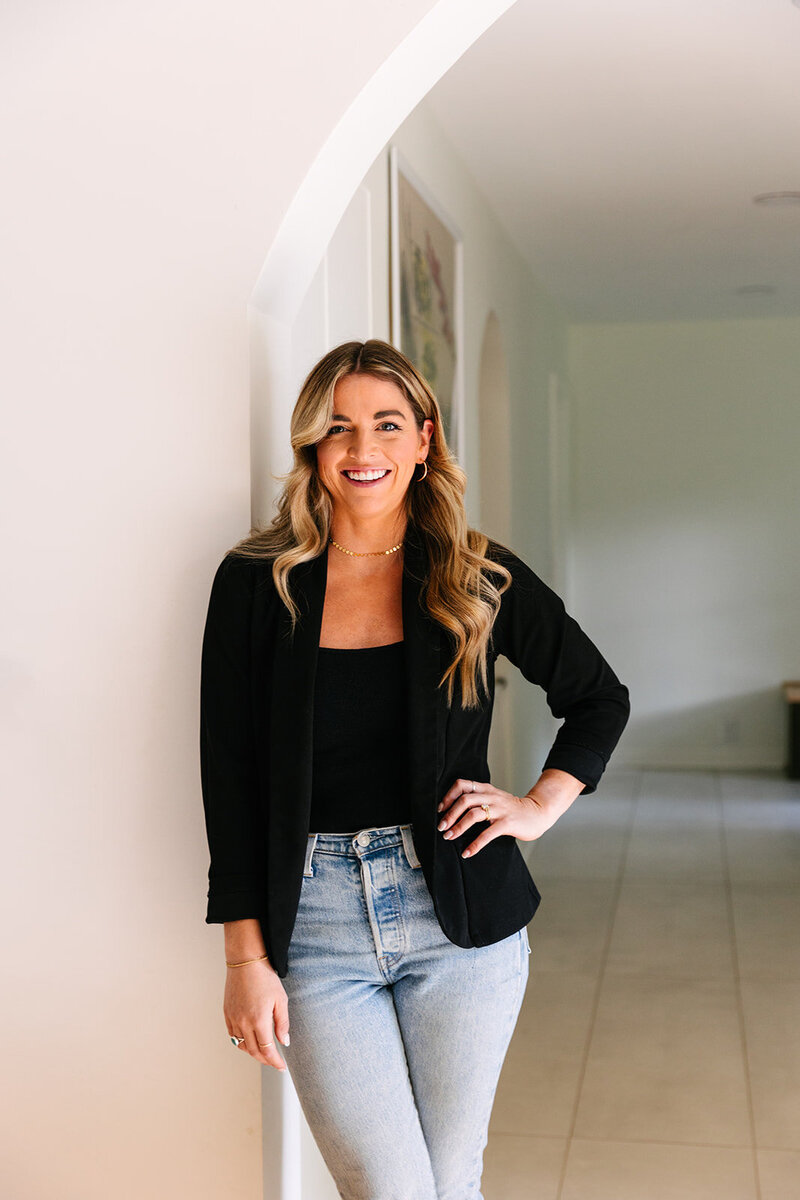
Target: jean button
<point>363,839</point>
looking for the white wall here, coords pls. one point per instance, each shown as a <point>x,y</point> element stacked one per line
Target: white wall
<point>686,506</point>
<point>150,151</point>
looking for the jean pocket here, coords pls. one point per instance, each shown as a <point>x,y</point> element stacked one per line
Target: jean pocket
<point>525,938</point>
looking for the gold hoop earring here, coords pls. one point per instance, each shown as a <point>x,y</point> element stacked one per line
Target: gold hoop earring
<point>421,477</point>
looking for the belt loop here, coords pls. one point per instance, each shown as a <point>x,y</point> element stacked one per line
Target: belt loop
<point>408,846</point>
<point>310,848</point>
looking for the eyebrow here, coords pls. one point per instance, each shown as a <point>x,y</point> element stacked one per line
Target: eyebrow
<point>384,412</point>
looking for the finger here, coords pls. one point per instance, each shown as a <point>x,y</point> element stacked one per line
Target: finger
<point>280,1016</point>
<point>452,813</point>
<point>464,788</point>
<point>267,1049</point>
<point>460,805</point>
<point>250,1043</point>
<point>466,811</point>
<point>467,819</point>
<point>458,788</point>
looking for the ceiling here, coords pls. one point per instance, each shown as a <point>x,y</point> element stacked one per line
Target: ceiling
<point>621,144</point>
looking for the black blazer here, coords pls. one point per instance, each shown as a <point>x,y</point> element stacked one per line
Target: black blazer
<point>256,710</point>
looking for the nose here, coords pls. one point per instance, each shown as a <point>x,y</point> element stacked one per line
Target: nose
<point>360,444</point>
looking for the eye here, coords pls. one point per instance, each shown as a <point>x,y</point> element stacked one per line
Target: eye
<point>393,424</point>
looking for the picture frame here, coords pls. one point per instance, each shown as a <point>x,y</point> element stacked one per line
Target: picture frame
<point>426,292</point>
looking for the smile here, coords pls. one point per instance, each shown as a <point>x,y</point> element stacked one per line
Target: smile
<point>365,478</point>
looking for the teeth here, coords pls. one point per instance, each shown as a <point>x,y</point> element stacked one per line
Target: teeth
<point>366,474</point>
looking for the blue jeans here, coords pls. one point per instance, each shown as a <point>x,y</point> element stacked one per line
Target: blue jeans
<point>398,1035</point>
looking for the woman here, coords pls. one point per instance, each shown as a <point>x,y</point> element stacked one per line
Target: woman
<point>365,868</point>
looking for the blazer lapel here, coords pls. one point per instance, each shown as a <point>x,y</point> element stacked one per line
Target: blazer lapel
<point>426,704</point>
<point>292,707</point>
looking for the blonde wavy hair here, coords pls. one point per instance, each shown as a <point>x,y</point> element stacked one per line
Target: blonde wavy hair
<point>459,592</point>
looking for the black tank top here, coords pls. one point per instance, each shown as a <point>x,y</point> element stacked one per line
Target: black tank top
<point>360,769</point>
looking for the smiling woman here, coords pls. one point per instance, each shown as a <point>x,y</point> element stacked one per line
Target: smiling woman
<point>365,867</point>
<point>375,447</point>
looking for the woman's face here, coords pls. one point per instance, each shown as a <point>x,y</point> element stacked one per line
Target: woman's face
<point>373,430</point>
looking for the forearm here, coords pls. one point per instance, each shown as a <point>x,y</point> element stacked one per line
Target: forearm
<point>554,792</point>
<point>243,940</point>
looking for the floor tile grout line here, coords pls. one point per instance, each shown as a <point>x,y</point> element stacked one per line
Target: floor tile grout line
<point>642,1141</point>
<point>738,982</point>
<point>639,1141</point>
<point>637,792</point>
<point>654,1141</point>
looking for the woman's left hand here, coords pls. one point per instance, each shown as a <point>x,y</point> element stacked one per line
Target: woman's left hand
<point>524,817</point>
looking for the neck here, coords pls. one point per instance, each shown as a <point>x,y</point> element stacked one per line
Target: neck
<point>368,537</point>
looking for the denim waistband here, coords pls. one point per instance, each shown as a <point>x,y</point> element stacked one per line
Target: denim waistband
<point>362,843</point>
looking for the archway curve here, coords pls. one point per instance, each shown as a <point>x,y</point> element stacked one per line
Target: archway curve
<point>443,35</point>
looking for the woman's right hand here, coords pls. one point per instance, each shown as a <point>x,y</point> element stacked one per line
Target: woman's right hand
<point>254,999</point>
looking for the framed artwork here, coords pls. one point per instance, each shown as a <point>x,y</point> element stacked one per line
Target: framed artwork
<point>426,308</point>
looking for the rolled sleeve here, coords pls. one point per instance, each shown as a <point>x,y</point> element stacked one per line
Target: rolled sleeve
<point>535,633</point>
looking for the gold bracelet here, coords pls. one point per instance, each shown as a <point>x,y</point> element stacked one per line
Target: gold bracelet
<point>246,961</point>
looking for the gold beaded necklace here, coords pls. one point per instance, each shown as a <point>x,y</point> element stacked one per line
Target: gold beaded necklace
<point>366,554</point>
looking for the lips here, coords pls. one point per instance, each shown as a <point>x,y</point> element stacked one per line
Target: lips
<point>366,478</point>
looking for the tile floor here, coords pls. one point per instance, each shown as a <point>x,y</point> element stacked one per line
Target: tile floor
<point>657,1054</point>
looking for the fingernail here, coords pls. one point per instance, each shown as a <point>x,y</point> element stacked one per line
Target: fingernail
<point>441,825</point>
<point>466,854</point>
<point>286,1040</point>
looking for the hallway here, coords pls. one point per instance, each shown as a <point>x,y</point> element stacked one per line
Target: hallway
<point>657,1055</point>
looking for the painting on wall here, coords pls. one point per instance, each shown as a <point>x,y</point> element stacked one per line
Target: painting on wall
<point>426,292</point>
